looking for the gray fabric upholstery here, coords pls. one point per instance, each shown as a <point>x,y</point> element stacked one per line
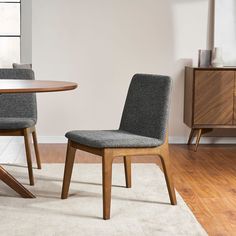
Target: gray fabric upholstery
<point>144,118</point>
<point>111,138</point>
<point>19,107</point>
<point>16,123</point>
<point>146,107</point>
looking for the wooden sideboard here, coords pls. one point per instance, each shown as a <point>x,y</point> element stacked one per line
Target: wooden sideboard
<point>209,100</point>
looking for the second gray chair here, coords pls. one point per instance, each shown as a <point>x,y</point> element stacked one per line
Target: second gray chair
<point>142,132</point>
<point>18,115</point>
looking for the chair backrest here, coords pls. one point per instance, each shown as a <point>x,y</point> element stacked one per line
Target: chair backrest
<point>146,108</point>
<point>18,105</point>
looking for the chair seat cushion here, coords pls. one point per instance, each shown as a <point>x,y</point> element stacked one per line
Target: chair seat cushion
<point>16,123</point>
<point>111,138</point>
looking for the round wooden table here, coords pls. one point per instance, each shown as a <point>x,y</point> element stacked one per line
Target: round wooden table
<point>28,86</point>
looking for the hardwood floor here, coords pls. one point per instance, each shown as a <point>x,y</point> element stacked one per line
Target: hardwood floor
<point>206,180</point>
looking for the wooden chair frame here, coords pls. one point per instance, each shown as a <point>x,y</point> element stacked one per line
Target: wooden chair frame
<point>26,133</point>
<point>108,154</point>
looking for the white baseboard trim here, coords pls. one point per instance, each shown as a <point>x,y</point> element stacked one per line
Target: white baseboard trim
<point>172,140</point>
<point>52,139</point>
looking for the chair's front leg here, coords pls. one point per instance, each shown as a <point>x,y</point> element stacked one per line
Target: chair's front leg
<point>127,165</point>
<point>28,155</point>
<point>170,185</point>
<point>107,160</point>
<point>70,157</point>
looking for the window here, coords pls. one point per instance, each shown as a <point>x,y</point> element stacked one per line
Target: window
<point>9,32</point>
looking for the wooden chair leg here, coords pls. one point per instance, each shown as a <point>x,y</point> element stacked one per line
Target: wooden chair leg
<point>36,149</point>
<point>127,165</point>
<point>170,186</point>
<point>70,157</point>
<point>191,136</point>
<point>198,139</point>
<point>107,160</point>
<point>28,155</point>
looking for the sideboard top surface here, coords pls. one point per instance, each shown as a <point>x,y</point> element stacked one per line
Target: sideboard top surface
<point>211,68</point>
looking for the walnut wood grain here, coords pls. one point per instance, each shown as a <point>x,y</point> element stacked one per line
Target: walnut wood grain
<point>127,166</point>
<point>235,109</point>
<point>191,136</point>
<point>228,68</point>
<point>209,101</point>
<point>28,155</point>
<point>32,86</point>
<point>188,96</point>
<point>36,149</point>
<point>234,121</point>
<point>70,157</point>
<point>200,126</point>
<point>8,179</point>
<point>107,160</point>
<point>198,139</point>
<point>213,99</point>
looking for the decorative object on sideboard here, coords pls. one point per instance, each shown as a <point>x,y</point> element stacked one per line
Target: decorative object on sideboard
<point>21,66</point>
<point>217,60</point>
<point>204,58</point>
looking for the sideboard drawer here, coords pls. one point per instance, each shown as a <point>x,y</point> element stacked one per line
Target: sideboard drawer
<point>235,109</point>
<point>214,97</point>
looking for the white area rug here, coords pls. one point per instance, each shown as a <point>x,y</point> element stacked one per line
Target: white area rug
<point>143,210</point>
<point>12,150</point>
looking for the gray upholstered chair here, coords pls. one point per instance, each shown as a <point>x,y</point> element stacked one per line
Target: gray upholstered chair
<point>18,115</point>
<point>142,132</point>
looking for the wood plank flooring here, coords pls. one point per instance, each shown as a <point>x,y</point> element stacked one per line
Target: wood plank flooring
<point>206,180</point>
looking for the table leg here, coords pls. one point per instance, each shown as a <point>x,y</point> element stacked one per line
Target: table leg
<point>14,184</point>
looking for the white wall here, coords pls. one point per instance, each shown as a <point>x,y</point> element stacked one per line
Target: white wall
<point>100,45</point>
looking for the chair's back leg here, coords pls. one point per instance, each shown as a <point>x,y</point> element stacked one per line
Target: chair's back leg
<point>28,155</point>
<point>70,157</point>
<point>36,149</point>
<point>127,165</point>
<point>107,160</point>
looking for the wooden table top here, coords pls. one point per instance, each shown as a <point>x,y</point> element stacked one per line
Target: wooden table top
<point>34,86</point>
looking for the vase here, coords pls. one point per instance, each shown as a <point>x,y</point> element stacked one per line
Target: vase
<point>217,60</point>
